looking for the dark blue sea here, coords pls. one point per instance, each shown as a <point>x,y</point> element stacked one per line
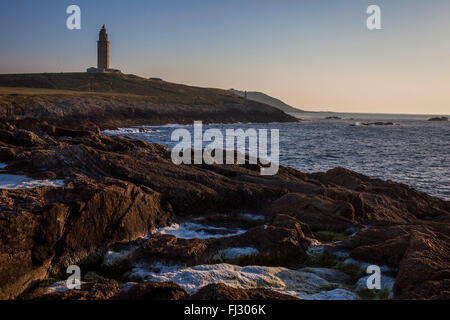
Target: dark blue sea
<point>413,150</point>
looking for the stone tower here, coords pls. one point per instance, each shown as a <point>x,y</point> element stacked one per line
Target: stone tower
<point>103,50</point>
<point>102,55</point>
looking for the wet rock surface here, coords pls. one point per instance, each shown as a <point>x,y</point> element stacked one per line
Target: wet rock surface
<point>117,191</point>
<point>224,292</point>
<point>438,119</point>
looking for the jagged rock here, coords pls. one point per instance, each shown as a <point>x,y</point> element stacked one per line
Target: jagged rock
<point>17,230</point>
<point>283,243</point>
<point>103,289</point>
<point>318,212</point>
<point>381,202</point>
<point>288,222</point>
<point>170,249</point>
<point>151,290</point>
<point>114,213</point>
<point>277,245</point>
<point>6,126</point>
<point>220,291</point>
<point>438,119</point>
<point>424,271</point>
<point>62,132</point>
<point>421,253</point>
<point>19,137</point>
<point>77,224</point>
<point>119,189</point>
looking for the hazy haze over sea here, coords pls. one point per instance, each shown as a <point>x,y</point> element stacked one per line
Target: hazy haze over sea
<point>413,151</point>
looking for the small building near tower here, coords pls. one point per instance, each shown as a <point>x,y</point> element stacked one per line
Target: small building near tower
<point>102,54</point>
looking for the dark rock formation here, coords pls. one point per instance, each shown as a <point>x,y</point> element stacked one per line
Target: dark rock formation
<point>221,291</point>
<point>170,249</point>
<point>317,211</point>
<point>20,138</point>
<point>104,289</point>
<point>152,290</point>
<point>421,252</point>
<point>438,119</point>
<point>282,243</point>
<point>119,189</point>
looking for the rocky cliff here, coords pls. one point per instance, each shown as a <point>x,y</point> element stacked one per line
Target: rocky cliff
<point>83,100</point>
<point>118,190</point>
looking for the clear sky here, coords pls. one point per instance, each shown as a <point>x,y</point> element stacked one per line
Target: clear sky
<point>314,55</point>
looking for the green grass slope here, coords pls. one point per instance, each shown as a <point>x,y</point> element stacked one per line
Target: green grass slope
<point>158,91</point>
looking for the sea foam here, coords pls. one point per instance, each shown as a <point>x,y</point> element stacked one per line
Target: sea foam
<point>11,181</point>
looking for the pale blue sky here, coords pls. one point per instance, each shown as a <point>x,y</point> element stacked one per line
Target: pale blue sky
<point>315,55</point>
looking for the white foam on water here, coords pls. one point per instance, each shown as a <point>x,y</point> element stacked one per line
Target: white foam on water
<point>304,284</point>
<point>11,181</point>
<point>173,125</point>
<point>190,230</point>
<point>121,131</point>
<point>3,165</point>
<point>59,286</point>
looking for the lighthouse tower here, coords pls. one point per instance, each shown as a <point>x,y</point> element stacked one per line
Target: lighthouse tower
<point>102,54</point>
<point>103,50</point>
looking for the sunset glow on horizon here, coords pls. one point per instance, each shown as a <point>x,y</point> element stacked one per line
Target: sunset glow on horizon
<point>315,56</point>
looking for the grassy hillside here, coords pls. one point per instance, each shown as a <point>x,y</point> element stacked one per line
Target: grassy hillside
<point>114,100</point>
<point>158,91</point>
<point>266,99</point>
<point>22,91</point>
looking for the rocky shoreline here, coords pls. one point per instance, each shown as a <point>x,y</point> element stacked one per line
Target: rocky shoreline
<point>123,197</point>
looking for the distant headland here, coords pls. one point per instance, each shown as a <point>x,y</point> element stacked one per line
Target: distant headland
<point>264,98</point>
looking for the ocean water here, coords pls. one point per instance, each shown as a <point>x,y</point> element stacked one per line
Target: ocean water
<point>412,151</point>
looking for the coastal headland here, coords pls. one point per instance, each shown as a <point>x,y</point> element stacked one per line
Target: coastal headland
<point>108,101</point>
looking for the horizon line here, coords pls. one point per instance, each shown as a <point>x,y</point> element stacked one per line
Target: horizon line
<point>252,90</point>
